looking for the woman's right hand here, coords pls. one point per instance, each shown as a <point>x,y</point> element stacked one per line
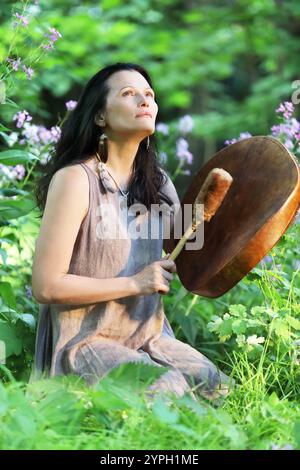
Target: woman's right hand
<point>155,277</point>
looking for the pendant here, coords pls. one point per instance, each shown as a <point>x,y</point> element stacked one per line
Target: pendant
<point>105,178</point>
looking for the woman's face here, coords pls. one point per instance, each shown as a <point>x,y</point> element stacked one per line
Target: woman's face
<point>130,94</point>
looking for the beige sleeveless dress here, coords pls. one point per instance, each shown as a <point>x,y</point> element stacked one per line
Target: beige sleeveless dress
<point>90,340</point>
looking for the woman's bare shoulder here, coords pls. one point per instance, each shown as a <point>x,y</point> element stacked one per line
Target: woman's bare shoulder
<point>72,174</point>
<point>70,183</point>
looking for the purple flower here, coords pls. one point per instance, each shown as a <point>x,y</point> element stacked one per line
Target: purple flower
<point>276,130</point>
<point>267,259</point>
<point>19,172</point>
<point>242,136</point>
<point>53,38</point>
<point>289,144</point>
<point>48,46</point>
<point>21,117</point>
<point>186,124</point>
<point>14,63</point>
<point>245,135</point>
<point>54,35</point>
<point>29,72</point>
<point>55,132</point>
<point>13,172</point>
<point>44,135</point>
<point>229,142</point>
<point>39,135</point>
<point>286,108</point>
<point>288,131</point>
<point>182,151</point>
<point>70,105</point>
<point>23,21</point>
<point>30,134</point>
<point>28,292</point>
<point>163,128</point>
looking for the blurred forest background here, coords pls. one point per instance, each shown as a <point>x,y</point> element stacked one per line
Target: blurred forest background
<point>222,71</point>
<point>227,64</point>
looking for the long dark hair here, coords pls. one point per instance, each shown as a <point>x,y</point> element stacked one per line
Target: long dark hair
<point>80,138</point>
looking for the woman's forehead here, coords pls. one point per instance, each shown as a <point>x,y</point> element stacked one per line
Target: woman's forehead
<point>127,78</point>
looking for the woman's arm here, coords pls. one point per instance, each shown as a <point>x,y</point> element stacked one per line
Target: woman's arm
<point>66,206</point>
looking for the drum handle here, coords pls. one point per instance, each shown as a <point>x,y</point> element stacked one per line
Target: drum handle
<point>211,196</point>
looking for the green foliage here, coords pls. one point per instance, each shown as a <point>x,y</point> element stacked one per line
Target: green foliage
<point>228,65</point>
<point>63,413</point>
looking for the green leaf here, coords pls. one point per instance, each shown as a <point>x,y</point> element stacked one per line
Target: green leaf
<point>238,310</point>
<point>14,208</point>
<point>3,128</point>
<point>239,326</point>
<point>163,412</point>
<point>188,324</point>
<point>15,157</point>
<point>13,344</point>
<point>7,294</point>
<point>281,328</point>
<point>2,92</point>
<point>226,327</point>
<point>237,437</point>
<point>28,319</point>
<point>3,255</point>
<point>293,322</point>
<point>297,433</point>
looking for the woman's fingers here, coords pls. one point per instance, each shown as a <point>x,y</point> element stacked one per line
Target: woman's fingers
<point>167,275</point>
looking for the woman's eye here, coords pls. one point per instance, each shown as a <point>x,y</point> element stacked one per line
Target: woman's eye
<point>129,91</point>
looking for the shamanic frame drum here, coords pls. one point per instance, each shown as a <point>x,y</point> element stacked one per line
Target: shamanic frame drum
<point>261,203</point>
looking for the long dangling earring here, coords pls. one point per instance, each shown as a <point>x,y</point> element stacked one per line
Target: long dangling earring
<point>101,167</point>
<point>102,145</point>
<point>102,150</point>
<point>148,142</point>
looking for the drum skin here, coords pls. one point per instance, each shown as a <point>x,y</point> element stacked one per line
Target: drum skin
<point>260,205</point>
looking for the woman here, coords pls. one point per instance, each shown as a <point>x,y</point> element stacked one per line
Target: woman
<point>100,295</point>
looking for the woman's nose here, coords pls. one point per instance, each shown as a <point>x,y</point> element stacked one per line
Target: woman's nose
<point>143,99</point>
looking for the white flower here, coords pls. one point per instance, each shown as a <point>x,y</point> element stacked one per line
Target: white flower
<point>182,151</point>
<point>30,133</point>
<point>70,105</point>
<point>44,158</point>
<point>12,138</point>
<point>255,340</point>
<point>186,124</point>
<point>163,157</point>
<point>163,128</point>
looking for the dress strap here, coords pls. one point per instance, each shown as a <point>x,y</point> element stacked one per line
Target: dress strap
<point>90,170</point>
